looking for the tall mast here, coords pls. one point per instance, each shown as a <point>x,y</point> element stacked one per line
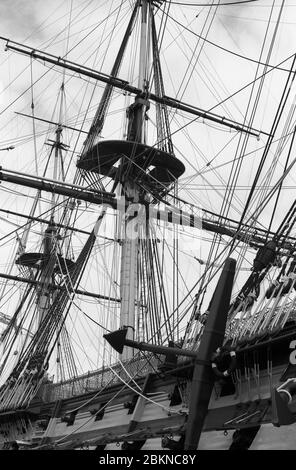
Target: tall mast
<point>142,172</point>
<point>130,248</point>
<point>46,261</point>
<point>49,243</point>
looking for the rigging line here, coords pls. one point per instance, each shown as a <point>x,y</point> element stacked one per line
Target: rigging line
<point>100,115</point>
<point>267,60</point>
<point>141,169</point>
<point>255,215</point>
<point>281,185</point>
<point>162,27</point>
<point>148,359</point>
<point>38,29</point>
<point>288,134</point>
<point>153,258</point>
<point>78,273</point>
<point>95,396</point>
<point>184,186</point>
<point>245,141</point>
<point>55,41</point>
<point>231,96</point>
<point>33,116</point>
<point>68,354</point>
<point>200,172</point>
<point>275,124</point>
<point>192,205</point>
<point>80,344</point>
<point>16,141</point>
<point>20,73</point>
<point>238,158</point>
<point>193,54</point>
<point>102,63</point>
<point>83,424</point>
<point>239,2</point>
<point>106,36</point>
<point>98,393</point>
<point>99,24</point>
<point>126,384</point>
<point>214,79</point>
<point>71,285</point>
<point>270,50</point>
<point>256,19</point>
<point>237,167</point>
<point>154,98</point>
<point>49,210</point>
<point>50,68</point>
<point>206,82</point>
<point>122,85</point>
<point>221,195</point>
<point>18,328</point>
<point>68,32</point>
<point>5,284</point>
<point>89,317</point>
<point>25,91</point>
<point>227,50</point>
<point>176,265</point>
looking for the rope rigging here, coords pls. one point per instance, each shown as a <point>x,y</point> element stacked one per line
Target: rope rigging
<point>162,312</point>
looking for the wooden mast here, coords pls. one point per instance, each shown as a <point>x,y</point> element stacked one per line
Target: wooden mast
<point>130,248</point>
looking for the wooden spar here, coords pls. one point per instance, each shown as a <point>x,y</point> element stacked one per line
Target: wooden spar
<point>10,277</point>
<point>44,221</point>
<point>176,216</point>
<point>7,176</point>
<point>209,225</point>
<point>123,85</point>
<point>52,122</point>
<point>227,227</point>
<point>117,339</point>
<point>95,197</point>
<point>212,338</point>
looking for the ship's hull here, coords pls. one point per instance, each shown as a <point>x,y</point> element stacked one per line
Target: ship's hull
<point>267,438</point>
<point>127,419</point>
<point>91,411</point>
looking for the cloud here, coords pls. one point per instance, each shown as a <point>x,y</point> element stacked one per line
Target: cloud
<point>19,18</point>
<point>233,19</point>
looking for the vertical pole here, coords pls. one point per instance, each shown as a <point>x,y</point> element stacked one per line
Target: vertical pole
<point>130,248</point>
<point>143,48</point>
<point>55,166</point>
<point>129,277</point>
<point>44,298</point>
<point>212,338</point>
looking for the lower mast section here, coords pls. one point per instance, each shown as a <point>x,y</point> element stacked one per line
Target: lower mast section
<point>129,274</point>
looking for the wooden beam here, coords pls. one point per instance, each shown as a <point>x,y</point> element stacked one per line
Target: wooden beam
<point>212,338</point>
<point>55,287</point>
<point>124,85</point>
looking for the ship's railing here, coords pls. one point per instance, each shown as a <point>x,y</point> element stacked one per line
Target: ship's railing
<point>139,367</point>
<point>96,380</point>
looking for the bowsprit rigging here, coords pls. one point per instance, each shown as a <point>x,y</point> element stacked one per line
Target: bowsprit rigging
<point>197,304</point>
